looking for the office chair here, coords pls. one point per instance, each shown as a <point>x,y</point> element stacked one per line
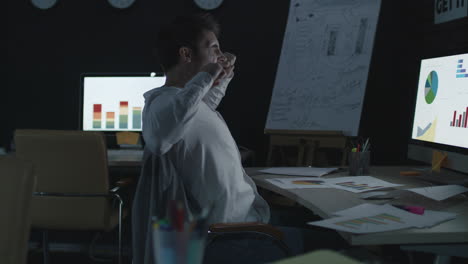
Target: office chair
<point>72,190</point>
<point>15,200</point>
<point>230,243</point>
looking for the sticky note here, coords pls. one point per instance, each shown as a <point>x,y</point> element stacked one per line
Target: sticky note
<point>130,138</point>
<point>438,159</point>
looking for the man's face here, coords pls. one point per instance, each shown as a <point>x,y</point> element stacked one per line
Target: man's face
<point>208,51</point>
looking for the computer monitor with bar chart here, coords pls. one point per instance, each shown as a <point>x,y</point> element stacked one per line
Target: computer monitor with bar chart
<point>441,110</point>
<point>114,102</point>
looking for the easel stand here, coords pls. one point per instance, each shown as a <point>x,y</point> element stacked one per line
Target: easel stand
<point>307,144</point>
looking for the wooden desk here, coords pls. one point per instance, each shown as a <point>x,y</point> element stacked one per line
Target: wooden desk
<point>124,157</point>
<point>133,157</point>
<point>324,202</point>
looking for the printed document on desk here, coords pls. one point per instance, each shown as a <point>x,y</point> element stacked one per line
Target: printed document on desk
<point>299,183</point>
<point>299,171</point>
<point>374,218</point>
<point>358,184</point>
<point>439,193</point>
<point>354,184</point>
<point>428,219</point>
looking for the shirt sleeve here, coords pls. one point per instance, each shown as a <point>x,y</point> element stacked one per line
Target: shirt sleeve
<point>167,114</point>
<point>214,96</point>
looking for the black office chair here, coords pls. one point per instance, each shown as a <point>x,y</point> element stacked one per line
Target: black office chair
<point>244,243</point>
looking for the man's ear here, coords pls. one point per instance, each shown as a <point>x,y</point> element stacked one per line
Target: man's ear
<point>185,54</point>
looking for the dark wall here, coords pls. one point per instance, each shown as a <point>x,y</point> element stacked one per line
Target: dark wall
<point>48,50</point>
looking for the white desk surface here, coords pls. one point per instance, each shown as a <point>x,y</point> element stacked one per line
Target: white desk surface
<point>124,157</point>
<point>324,202</point>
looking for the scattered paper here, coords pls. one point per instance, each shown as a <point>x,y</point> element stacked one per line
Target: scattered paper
<point>372,194</point>
<point>432,218</point>
<point>358,210</point>
<point>358,184</point>
<point>370,218</point>
<point>299,183</point>
<point>299,171</point>
<point>439,193</point>
<point>354,184</point>
<point>428,219</point>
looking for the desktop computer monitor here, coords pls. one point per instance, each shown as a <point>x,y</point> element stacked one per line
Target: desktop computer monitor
<point>441,111</point>
<point>114,102</point>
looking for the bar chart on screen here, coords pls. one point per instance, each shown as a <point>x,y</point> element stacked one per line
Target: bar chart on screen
<point>460,119</point>
<point>124,116</point>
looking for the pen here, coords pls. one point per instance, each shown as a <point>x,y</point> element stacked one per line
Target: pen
<point>179,217</point>
<point>365,145</point>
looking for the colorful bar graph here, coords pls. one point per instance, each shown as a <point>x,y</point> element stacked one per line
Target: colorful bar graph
<point>110,120</point>
<point>117,118</point>
<point>461,73</point>
<point>136,111</point>
<point>460,120</point>
<point>123,114</point>
<point>97,115</point>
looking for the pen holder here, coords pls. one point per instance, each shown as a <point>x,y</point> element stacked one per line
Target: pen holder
<point>359,163</point>
<point>178,247</point>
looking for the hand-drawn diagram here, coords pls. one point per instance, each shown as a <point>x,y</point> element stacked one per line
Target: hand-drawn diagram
<point>323,67</point>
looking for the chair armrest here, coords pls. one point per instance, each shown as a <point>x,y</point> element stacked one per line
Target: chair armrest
<point>120,184</point>
<point>247,227</point>
<point>124,182</point>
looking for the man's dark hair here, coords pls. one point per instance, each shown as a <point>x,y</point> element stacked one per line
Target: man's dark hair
<point>184,31</point>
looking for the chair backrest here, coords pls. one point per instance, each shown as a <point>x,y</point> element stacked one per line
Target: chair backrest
<point>65,161</point>
<point>15,198</point>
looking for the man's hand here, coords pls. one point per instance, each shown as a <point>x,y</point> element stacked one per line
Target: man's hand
<point>227,61</point>
<point>215,70</point>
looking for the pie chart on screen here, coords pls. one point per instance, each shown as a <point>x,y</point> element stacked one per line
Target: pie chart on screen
<point>430,89</point>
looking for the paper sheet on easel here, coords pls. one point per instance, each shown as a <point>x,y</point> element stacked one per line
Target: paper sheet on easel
<point>130,138</point>
<point>438,159</point>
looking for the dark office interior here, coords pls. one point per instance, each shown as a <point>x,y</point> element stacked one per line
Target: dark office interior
<point>48,50</point>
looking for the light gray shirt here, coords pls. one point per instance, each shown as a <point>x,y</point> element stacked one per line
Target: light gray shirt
<point>190,156</point>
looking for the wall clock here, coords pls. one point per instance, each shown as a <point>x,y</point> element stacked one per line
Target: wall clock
<point>43,4</point>
<point>208,4</point>
<point>121,4</point>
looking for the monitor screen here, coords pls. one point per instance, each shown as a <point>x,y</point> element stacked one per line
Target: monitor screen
<point>114,102</point>
<point>441,112</point>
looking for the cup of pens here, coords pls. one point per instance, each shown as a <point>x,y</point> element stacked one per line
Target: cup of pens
<point>359,160</point>
<point>177,241</point>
